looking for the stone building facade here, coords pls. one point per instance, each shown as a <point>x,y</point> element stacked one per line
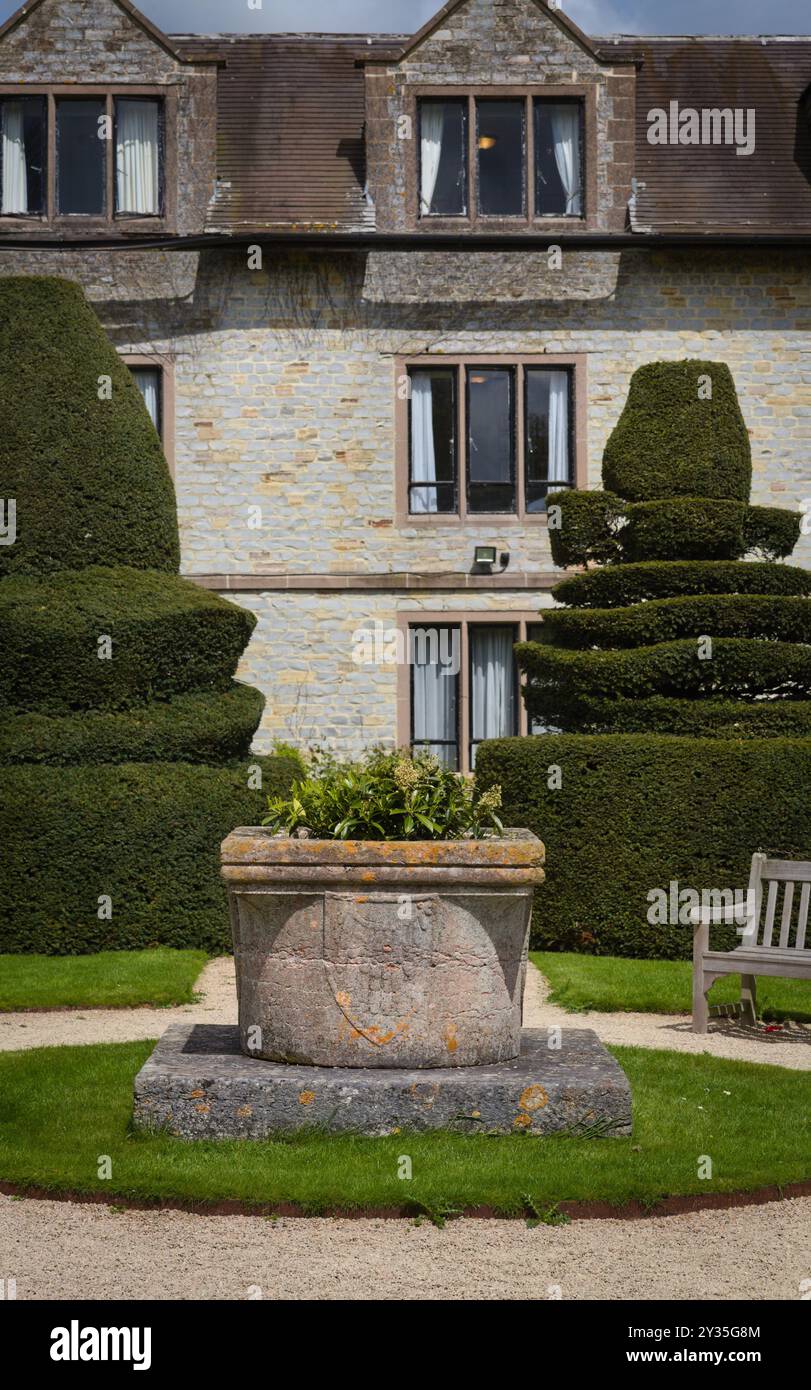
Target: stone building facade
<point>284,367</point>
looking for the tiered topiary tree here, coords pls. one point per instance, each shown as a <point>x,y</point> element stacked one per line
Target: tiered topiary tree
<point>675,632</point>
<point>123,735</point>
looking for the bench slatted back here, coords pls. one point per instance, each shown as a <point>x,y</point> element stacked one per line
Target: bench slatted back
<point>775,875</point>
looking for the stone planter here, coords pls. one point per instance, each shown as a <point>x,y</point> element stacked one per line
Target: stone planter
<point>372,953</point>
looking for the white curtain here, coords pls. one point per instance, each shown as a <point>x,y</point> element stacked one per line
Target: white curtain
<point>565,122</point>
<point>432,119</point>
<point>423,457</point>
<point>137,157</point>
<point>15,182</point>
<point>434,687</point>
<point>558,427</point>
<point>146,379</point>
<point>492,688</point>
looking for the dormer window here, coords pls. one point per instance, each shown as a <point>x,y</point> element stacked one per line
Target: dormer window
<point>82,154</point>
<point>492,156</point>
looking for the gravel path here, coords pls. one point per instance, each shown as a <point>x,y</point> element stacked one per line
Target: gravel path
<point>64,1250</point>
<point>727,1037</point>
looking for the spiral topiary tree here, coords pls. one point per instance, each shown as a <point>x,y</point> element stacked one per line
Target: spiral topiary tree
<point>675,632</point>
<point>123,734</point>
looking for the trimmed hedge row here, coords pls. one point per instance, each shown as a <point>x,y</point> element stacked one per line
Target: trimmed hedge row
<point>652,579</point>
<point>738,669</point>
<point>196,728</point>
<point>598,527</point>
<point>147,835</point>
<point>670,441</point>
<point>633,813</point>
<point>659,714</point>
<point>88,473</point>
<point>168,636</point>
<point>780,618</point>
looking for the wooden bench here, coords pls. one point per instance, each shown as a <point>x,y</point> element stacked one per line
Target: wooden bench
<point>758,953</point>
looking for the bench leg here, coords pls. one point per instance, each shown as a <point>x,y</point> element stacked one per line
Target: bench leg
<point>749,997</point>
<point>701,1009</point>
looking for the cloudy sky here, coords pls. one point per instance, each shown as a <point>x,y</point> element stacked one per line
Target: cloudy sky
<point>404,16</point>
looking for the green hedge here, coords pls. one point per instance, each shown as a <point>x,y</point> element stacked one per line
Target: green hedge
<point>659,714</point>
<point>616,587</point>
<point>739,669</point>
<point>583,527</point>
<point>89,477</point>
<point>147,835</point>
<point>684,528</point>
<point>598,527</point>
<point>771,533</point>
<point>786,619</point>
<point>168,636</point>
<point>633,813</point>
<point>669,442</point>
<point>196,728</point>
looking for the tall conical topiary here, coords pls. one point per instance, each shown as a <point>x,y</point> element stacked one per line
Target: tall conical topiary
<point>676,632</point>
<point>123,735</point>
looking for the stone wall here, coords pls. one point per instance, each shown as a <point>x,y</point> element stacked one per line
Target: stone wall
<point>285,392</point>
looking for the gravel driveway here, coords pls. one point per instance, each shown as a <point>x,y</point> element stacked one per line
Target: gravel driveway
<point>69,1251</point>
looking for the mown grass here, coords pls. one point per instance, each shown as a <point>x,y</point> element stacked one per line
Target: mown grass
<point>63,1108</point>
<point>111,979</point>
<point>613,984</point>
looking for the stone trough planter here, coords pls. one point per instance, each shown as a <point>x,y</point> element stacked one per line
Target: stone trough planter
<point>367,953</point>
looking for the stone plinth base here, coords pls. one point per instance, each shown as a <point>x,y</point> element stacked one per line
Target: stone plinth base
<point>198,1085</point>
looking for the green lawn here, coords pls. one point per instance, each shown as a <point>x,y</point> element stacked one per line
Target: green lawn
<point>613,984</point>
<point>61,1108</point>
<point>111,979</point>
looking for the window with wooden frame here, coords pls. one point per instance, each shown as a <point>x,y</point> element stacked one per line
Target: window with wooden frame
<point>154,378</point>
<point>510,154</point>
<point>460,684</point>
<point>83,153</point>
<point>481,437</point>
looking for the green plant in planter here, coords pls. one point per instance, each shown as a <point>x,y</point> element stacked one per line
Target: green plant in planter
<point>386,796</point>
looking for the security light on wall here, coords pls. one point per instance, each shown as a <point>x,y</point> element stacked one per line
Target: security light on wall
<point>485,556</point>
<point>487,142</point>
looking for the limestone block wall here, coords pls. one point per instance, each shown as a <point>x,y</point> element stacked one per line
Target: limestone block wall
<point>302,654</point>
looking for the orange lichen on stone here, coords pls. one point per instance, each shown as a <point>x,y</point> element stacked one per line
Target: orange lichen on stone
<point>195,1095</point>
<point>521,1122</point>
<point>533,1098</point>
<point>244,1111</point>
<point>203,1109</point>
<point>306,1097</point>
<point>451,1040</point>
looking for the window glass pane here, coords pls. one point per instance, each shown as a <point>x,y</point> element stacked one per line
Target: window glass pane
<point>443,158</point>
<point>501,149</point>
<point>81,157</point>
<point>558,162</point>
<point>547,411</point>
<point>493,707</point>
<point>432,435</point>
<point>435,661</point>
<point>148,381</point>
<point>491,472</point>
<point>22,154</point>
<point>137,153</point>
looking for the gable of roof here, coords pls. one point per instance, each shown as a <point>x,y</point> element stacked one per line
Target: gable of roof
<point>557,17</point>
<point>28,8</point>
